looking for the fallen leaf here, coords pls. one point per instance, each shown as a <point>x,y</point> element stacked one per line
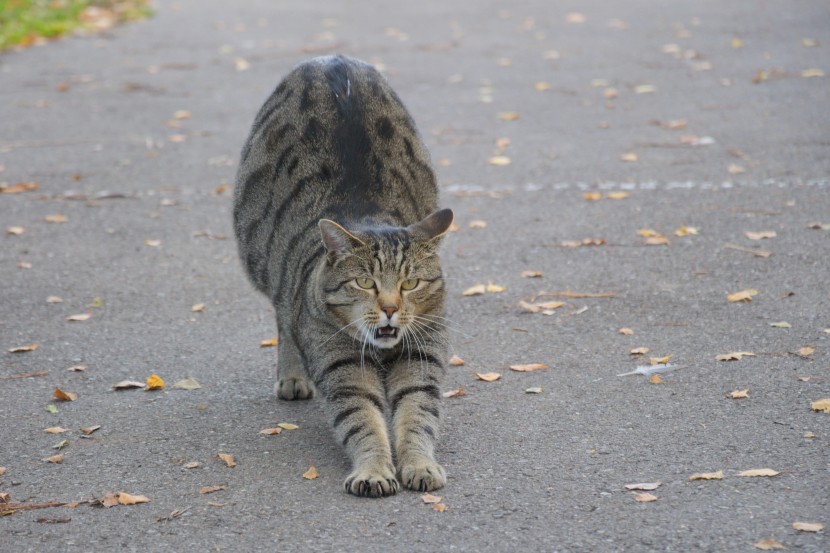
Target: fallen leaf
<point>626,331</point>
<point>440,507</point>
<point>192,465</point>
<point>55,218</point>
<point>153,243</point>
<point>109,500</point>
<point>656,241</point>
<point>743,295</point>
<point>311,473</point>
<point>430,499</point>
<point>610,93</point>
<point>2,471</point>
<point>739,394</point>
<point>812,72</point>
<point>198,308</point>
<point>61,444</point>
<point>644,497</point>
<point>495,288</point>
<point>59,458</point>
<point>810,42</point>
<point>509,116</point>
<point>545,307</point>
<point>733,356</point>
<point>288,426</point>
<point>270,431</point>
<point>76,368</point>
<point>188,383</point>
<point>127,384</point>
<point>534,390</point>
<point>617,195</point>
<point>64,396</point>
<point>478,223</point>
<point>532,274</point>
<point>488,377</point>
<point>583,242</point>
<point>735,169</point>
<point>55,430</point>
<point>592,196</point>
<point>458,392</point>
<point>79,317</point>
<point>655,379</point>
<point>227,458</point>
<point>51,409</point>
<point>819,226</point>
<point>648,486</point>
<point>629,156</point>
<point>215,504</point>
<point>781,324</point>
<point>760,235</point>
<point>542,86</point>
<point>660,360</point>
<point>456,361</point>
<point>241,64</point>
<point>707,476</point>
<point>15,230</point>
<point>639,351</point>
<point>645,89</point>
<point>686,231</point>
<point>210,489</point>
<point>822,405</point>
<point>154,382</point>
<point>476,290</point>
<point>87,430</point>
<point>128,499</point>
<point>499,160</point>
<point>271,342</point>
<point>808,526</point>
<point>530,367</point>
<point>182,114</point>
<point>18,188</point>
<point>769,543</point>
<point>24,349</point>
<point>759,472</point>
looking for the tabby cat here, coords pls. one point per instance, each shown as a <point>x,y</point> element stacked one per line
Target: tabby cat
<point>335,213</point>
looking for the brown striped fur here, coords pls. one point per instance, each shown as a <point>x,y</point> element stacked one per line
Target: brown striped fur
<point>335,213</point>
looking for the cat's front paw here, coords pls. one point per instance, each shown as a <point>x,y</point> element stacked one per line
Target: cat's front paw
<point>423,475</point>
<point>372,482</point>
<point>294,388</point>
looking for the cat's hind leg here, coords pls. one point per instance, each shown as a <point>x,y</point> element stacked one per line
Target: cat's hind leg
<point>292,378</point>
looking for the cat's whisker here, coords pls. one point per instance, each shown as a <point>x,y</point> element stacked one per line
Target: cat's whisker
<point>449,324</point>
<point>342,329</point>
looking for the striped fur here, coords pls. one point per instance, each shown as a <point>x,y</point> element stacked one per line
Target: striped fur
<point>335,216</point>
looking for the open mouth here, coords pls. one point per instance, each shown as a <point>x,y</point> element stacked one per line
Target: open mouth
<point>387,331</point>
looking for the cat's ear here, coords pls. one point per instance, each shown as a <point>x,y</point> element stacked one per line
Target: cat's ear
<point>433,227</point>
<point>337,240</point>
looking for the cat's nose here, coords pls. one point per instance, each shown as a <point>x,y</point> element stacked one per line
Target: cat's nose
<point>389,310</point>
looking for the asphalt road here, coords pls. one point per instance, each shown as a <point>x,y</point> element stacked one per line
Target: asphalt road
<point>722,110</point>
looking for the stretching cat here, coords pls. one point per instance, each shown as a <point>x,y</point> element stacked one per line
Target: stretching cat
<point>335,215</point>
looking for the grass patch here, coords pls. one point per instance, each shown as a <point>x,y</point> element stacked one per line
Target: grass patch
<point>27,22</point>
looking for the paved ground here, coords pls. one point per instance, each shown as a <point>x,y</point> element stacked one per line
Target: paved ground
<point>89,120</point>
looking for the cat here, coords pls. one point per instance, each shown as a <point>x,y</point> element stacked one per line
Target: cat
<point>337,221</point>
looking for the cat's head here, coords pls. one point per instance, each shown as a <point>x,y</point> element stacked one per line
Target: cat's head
<point>385,285</point>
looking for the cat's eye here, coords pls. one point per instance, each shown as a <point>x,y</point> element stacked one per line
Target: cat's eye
<point>409,284</point>
<point>365,283</point>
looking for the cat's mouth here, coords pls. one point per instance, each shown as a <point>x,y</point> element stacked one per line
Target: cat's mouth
<point>386,332</point>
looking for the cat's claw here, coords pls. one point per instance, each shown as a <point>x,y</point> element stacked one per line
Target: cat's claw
<point>423,476</point>
<point>367,483</point>
<point>294,388</point>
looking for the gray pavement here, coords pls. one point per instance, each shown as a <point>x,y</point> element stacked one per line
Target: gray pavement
<point>147,231</point>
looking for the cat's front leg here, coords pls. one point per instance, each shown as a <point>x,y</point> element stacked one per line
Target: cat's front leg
<point>414,399</point>
<point>292,379</point>
<point>353,395</point>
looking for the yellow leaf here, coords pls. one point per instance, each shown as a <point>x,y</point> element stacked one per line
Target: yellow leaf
<point>739,394</point>
<point>79,317</point>
<point>456,361</point>
<point>743,295</point>
<point>288,426</point>
<point>707,476</point>
<point>509,116</point>
<point>458,392</point>
<point>23,349</point>
<point>495,288</point>
<point>65,396</point>
<point>760,235</point>
<point>769,543</point>
<point>270,431</point>
<point>542,86</point>
<point>127,499</point>
<point>428,498</point>
<point>759,472</point>
<point>271,342</point>
<point>56,218</point>
<point>644,497</point>
<point>530,367</point>
<point>154,382</point>
<point>737,43</point>
<point>198,308</point>
<point>55,430</point>
<point>210,489</point>
<point>655,379</point>
<point>685,231</point>
<point>629,156</point>
<point>476,290</point>
<point>638,351</point>
<point>617,195</point>
<point>822,405</point>
<point>648,233</point>
<point>733,356</point>
<point>592,196</point>
<point>488,377</point>
<point>227,458</point>
<point>660,360</point>
<point>18,188</point>
<point>440,507</point>
<point>499,160</point>
<point>311,474</point>
<point>808,526</point>
<point>626,331</point>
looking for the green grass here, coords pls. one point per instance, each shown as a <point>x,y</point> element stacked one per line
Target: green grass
<point>23,22</point>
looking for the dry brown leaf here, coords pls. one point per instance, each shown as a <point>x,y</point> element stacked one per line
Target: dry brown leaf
<point>509,116</point>
<point>686,231</point>
<point>639,351</point>
<point>499,160</point>
<point>59,458</point>
<point>192,465</point>
<point>644,497</point>
<point>530,367</point>
<point>79,317</point>
<point>733,356</point>
<point>808,526</point>
<point>822,405</point>
<point>271,342</point>
<point>64,396</point>
<point>660,360</point>
<point>769,543</point>
<point>542,86</point>
<point>495,288</point>
<point>739,394</point>
<point>583,242</point>
<point>270,431</point>
<point>2,471</point>
<point>15,230</point>
<point>707,476</point>
<point>759,472</point>
<point>311,473</point>
<point>215,504</point>
<point>812,72</point>
<point>54,299</point>
<point>806,351</point>
<point>647,233</point>
<point>760,235</point>
<point>458,392</point>
<point>743,295</point>
<point>23,349</point>
<point>128,384</point>
<point>645,89</point>
<point>626,331</point>
<point>430,499</point>
<point>18,188</point>
<point>655,379</point>
<point>182,114</point>
<point>476,290</point>
<point>735,169</point>
<point>440,507</point>
<point>592,196</point>
<point>532,274</point>
<point>154,382</point>
<point>87,430</point>
<point>210,489</point>
<point>77,368</point>
<point>619,195</point>
<point>629,156</point>
<point>610,93</point>
<point>657,241</point>
<point>781,324</point>
<point>198,308</point>
<point>477,223</point>
<point>128,499</point>
<point>456,361</point>
<point>152,243</point>
<point>55,430</point>
<point>227,458</point>
<point>646,486</point>
<point>55,218</point>
<point>488,377</point>
<point>545,307</point>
